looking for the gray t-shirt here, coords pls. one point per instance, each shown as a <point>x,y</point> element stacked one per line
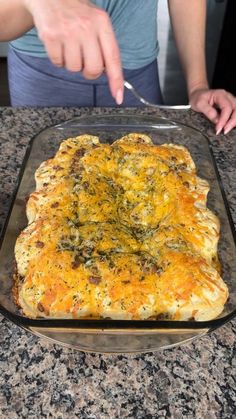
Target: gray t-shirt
<point>135,26</point>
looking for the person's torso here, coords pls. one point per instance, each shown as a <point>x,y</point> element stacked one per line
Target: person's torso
<point>135,26</point>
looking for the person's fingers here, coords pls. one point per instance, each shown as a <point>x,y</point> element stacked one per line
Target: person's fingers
<point>219,106</point>
<point>55,52</point>
<point>231,123</point>
<point>72,55</point>
<point>92,27</point>
<point>208,110</point>
<point>112,60</point>
<point>93,64</point>
<point>231,98</point>
<point>225,107</point>
<point>201,101</point>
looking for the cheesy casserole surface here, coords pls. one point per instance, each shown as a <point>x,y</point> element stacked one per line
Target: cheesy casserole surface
<point>119,231</point>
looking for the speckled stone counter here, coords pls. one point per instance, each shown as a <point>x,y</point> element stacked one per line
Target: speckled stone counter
<point>42,380</point>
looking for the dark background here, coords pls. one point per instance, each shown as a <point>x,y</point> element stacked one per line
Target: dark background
<point>225,70</point>
<point>4,94</point>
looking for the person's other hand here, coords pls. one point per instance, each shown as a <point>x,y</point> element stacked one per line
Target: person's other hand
<point>79,36</point>
<point>219,106</point>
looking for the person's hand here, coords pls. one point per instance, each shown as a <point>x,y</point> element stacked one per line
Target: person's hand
<point>219,106</point>
<point>79,36</point>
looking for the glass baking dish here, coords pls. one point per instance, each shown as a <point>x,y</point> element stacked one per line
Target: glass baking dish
<point>117,335</point>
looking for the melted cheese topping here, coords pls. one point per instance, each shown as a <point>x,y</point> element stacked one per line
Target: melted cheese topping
<point>119,231</point>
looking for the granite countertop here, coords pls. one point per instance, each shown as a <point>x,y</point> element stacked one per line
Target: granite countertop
<point>39,379</point>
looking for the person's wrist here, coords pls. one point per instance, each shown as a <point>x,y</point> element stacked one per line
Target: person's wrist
<point>196,87</point>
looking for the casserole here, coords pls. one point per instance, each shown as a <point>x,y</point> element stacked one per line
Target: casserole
<point>118,335</point>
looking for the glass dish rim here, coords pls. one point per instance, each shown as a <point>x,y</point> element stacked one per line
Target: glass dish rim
<point>110,324</point>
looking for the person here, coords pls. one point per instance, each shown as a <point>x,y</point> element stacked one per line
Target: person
<point>78,52</point>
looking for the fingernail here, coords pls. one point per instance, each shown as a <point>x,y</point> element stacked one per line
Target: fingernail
<point>218,131</point>
<point>119,97</point>
<point>226,130</point>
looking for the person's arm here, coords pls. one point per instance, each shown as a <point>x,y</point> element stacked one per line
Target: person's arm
<point>76,34</point>
<point>15,19</point>
<point>188,21</point>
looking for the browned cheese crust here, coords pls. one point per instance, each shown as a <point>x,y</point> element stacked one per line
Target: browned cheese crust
<point>119,231</point>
